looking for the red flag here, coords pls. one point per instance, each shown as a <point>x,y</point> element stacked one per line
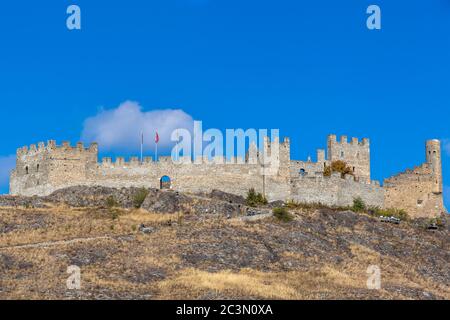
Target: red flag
<point>156,137</point>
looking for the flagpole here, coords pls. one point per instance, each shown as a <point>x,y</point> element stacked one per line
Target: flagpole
<point>176,148</point>
<point>156,145</point>
<point>142,147</point>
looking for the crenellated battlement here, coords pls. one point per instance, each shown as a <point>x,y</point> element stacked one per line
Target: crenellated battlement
<point>355,153</point>
<point>335,190</point>
<point>418,190</point>
<point>332,139</point>
<point>423,171</point>
<point>335,176</point>
<point>45,167</point>
<point>133,161</point>
<point>51,146</point>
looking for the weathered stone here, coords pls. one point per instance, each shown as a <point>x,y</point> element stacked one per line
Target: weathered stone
<point>228,197</point>
<point>22,201</point>
<point>47,168</point>
<point>96,196</point>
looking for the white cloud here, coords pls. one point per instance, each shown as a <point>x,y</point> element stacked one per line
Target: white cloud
<point>7,163</point>
<point>120,128</point>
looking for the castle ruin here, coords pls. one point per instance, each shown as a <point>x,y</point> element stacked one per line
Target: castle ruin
<point>45,168</point>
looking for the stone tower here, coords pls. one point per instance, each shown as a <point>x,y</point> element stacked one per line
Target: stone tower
<point>418,190</point>
<point>355,153</point>
<point>433,156</point>
<point>44,168</point>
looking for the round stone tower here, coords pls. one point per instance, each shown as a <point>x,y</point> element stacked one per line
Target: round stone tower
<point>433,150</point>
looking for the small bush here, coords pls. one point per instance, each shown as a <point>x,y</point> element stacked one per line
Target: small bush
<point>114,214</point>
<point>390,212</point>
<point>291,204</point>
<point>254,199</point>
<point>358,205</point>
<point>180,219</point>
<point>396,213</point>
<point>439,222</point>
<point>139,197</point>
<point>111,202</point>
<point>338,166</point>
<point>282,214</point>
<point>261,199</point>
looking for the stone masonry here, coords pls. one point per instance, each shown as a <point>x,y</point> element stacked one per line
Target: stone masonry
<point>418,190</point>
<point>45,168</point>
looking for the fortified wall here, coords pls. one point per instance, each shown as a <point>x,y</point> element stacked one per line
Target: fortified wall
<point>45,168</point>
<point>418,190</point>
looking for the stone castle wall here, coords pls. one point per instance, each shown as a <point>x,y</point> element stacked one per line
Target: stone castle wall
<point>355,153</point>
<point>40,171</point>
<point>418,191</point>
<point>336,191</point>
<point>43,169</point>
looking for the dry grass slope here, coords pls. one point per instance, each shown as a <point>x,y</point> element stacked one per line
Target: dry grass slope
<point>321,254</point>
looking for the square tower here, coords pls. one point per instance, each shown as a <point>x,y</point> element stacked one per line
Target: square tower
<point>355,153</point>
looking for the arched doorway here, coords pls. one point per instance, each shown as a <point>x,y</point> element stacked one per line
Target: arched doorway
<point>165,182</point>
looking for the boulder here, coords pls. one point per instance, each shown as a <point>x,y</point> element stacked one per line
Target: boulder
<point>228,197</point>
<point>166,202</point>
<point>21,201</point>
<point>96,196</point>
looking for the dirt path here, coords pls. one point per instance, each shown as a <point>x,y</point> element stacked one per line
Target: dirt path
<point>61,242</point>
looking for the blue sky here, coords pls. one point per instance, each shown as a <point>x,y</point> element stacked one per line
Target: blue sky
<point>309,68</point>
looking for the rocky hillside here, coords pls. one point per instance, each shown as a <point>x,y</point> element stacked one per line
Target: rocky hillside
<point>210,246</point>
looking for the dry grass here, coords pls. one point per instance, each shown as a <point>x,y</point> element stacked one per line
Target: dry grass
<point>244,283</point>
<point>155,266</point>
<point>393,271</point>
<point>60,223</point>
<point>324,282</point>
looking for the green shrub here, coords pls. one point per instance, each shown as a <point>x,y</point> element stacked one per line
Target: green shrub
<point>282,214</point>
<point>261,199</point>
<point>251,199</point>
<point>291,204</point>
<point>114,213</point>
<point>111,202</point>
<point>254,199</point>
<point>139,197</point>
<point>358,205</point>
<point>390,212</point>
<point>438,221</point>
<point>402,215</point>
